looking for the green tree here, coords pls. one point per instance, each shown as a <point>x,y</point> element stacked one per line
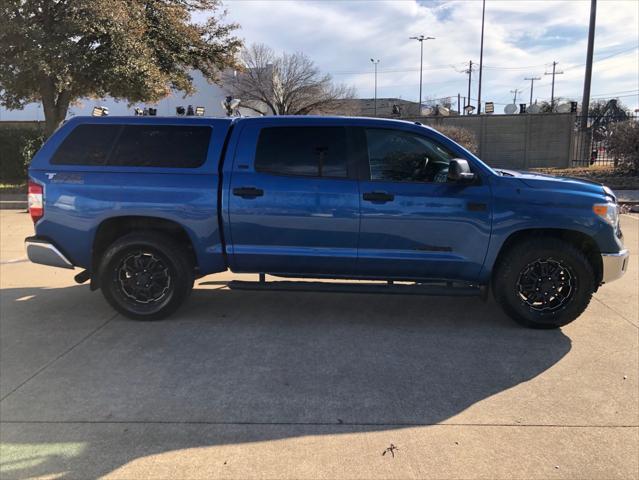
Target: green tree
<point>58,51</point>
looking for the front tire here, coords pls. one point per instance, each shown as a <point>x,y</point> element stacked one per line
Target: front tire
<point>544,283</point>
<point>146,275</point>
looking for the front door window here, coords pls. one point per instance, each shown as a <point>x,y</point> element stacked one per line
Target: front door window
<point>399,156</point>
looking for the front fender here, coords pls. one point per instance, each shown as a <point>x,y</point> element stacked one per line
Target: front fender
<point>518,208</point>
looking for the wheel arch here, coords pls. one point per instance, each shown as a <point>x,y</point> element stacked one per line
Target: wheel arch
<point>580,240</point>
<point>112,228</point>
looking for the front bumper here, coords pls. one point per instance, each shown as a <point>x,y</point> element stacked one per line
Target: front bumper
<point>46,253</point>
<point>614,265</point>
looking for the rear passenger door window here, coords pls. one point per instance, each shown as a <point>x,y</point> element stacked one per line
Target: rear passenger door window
<point>86,145</point>
<point>167,146</point>
<point>303,151</point>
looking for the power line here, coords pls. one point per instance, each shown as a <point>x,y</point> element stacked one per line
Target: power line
<point>430,67</point>
<point>603,95</point>
<point>516,68</point>
<point>628,93</point>
<point>572,67</point>
<point>455,66</point>
<point>614,93</point>
<point>401,70</point>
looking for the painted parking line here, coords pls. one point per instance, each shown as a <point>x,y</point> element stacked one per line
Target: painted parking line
<point>15,260</point>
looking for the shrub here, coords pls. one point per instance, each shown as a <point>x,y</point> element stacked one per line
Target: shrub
<point>463,136</point>
<point>18,143</point>
<point>623,143</point>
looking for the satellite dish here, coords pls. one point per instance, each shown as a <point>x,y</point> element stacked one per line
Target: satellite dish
<point>231,106</point>
<point>427,111</point>
<point>564,108</point>
<point>444,111</point>
<point>510,109</point>
<point>534,108</point>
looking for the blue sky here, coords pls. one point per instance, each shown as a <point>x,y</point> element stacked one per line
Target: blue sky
<point>522,39</point>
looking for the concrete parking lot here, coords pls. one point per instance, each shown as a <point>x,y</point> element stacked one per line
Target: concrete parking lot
<point>245,384</point>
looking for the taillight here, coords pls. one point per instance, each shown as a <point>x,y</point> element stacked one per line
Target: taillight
<point>36,201</point>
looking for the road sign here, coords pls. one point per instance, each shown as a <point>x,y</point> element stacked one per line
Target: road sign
<point>489,107</point>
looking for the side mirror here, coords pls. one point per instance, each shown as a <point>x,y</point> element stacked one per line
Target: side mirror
<point>459,171</point>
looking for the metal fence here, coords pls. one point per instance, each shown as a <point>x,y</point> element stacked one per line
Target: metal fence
<point>591,145</point>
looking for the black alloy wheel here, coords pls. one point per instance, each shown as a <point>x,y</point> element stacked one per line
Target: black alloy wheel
<point>545,285</point>
<point>143,277</point>
<point>544,282</point>
<point>146,275</point>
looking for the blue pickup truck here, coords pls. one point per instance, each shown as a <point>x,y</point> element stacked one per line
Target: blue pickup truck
<point>146,205</point>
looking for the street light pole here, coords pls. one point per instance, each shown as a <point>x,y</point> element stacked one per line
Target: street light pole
<point>470,75</point>
<point>481,57</point>
<point>375,62</point>
<point>585,100</point>
<point>421,39</point>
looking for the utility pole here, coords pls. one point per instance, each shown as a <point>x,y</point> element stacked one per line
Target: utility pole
<point>532,82</point>
<point>585,101</point>
<point>421,39</point>
<point>459,104</point>
<point>470,74</point>
<point>375,62</point>
<point>515,91</point>
<point>481,57</point>
<point>552,91</point>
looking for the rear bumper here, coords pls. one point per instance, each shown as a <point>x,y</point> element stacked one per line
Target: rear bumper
<point>614,265</point>
<point>46,253</point>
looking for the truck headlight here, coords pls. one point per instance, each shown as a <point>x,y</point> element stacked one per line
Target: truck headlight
<point>608,211</point>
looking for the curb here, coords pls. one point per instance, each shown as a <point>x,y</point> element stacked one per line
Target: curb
<point>13,201</point>
<point>13,205</point>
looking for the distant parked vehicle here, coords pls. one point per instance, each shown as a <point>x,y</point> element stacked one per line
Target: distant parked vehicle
<point>145,205</point>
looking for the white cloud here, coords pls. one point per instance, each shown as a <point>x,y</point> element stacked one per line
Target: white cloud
<point>521,37</point>
<point>341,36</point>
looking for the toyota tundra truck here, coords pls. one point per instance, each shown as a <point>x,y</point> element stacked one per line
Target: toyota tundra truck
<point>146,205</point>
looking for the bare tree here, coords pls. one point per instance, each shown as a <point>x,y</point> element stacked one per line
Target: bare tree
<point>288,84</point>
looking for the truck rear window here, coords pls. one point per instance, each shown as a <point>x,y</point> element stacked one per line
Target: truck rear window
<point>167,146</point>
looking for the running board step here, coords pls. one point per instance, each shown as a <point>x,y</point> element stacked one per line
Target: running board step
<point>379,288</point>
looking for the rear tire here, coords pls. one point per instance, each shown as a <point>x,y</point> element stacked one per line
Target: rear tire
<point>544,283</point>
<point>146,275</point>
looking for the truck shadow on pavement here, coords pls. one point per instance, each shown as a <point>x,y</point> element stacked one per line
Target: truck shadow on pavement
<point>243,366</point>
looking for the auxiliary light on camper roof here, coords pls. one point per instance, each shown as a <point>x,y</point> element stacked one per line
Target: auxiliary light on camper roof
<point>100,112</point>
